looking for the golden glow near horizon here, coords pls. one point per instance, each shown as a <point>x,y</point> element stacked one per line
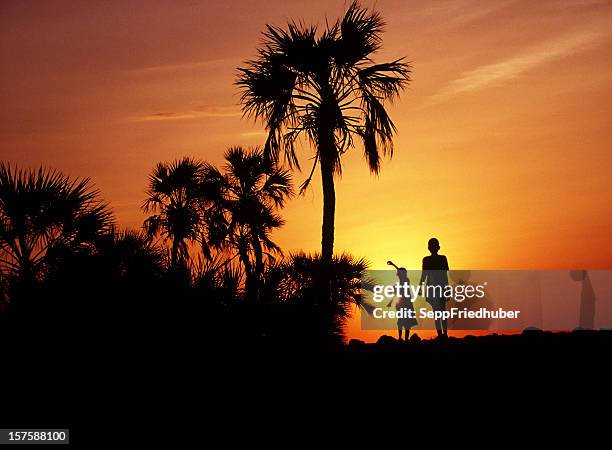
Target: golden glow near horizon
<point>504,139</point>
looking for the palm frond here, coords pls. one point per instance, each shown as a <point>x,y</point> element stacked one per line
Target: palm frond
<point>360,35</point>
<point>298,71</point>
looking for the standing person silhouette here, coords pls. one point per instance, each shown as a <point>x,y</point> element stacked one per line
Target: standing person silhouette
<point>435,276</point>
<point>403,304</point>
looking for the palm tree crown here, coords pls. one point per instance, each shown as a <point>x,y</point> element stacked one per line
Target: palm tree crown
<point>41,209</point>
<point>253,190</point>
<point>175,199</point>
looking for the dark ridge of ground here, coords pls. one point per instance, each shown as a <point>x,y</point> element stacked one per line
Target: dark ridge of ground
<point>137,383</point>
<point>532,350</point>
<point>532,337</point>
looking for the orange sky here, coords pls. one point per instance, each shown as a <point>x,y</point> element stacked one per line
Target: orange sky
<point>504,149</point>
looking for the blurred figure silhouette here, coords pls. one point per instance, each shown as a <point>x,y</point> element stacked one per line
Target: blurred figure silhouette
<point>587,299</point>
<point>435,276</point>
<point>403,304</point>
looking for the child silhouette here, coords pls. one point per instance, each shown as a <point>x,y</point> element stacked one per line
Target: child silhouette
<point>403,303</point>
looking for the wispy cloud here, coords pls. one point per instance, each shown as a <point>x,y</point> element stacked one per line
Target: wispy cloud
<point>499,72</point>
<point>460,12</point>
<point>254,134</point>
<point>196,113</point>
<point>193,65</point>
<point>471,13</point>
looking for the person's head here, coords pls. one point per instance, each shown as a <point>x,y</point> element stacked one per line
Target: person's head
<point>433,245</point>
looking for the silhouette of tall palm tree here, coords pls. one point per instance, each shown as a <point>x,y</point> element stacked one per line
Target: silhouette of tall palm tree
<point>252,191</point>
<point>41,209</point>
<point>325,88</point>
<point>176,197</point>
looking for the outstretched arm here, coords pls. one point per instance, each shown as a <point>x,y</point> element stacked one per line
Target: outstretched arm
<point>390,263</point>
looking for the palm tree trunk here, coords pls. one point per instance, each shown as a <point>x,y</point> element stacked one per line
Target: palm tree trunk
<point>259,267</point>
<point>249,288</point>
<point>26,272</point>
<point>174,254</point>
<point>326,155</point>
<point>329,208</point>
<point>327,151</point>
